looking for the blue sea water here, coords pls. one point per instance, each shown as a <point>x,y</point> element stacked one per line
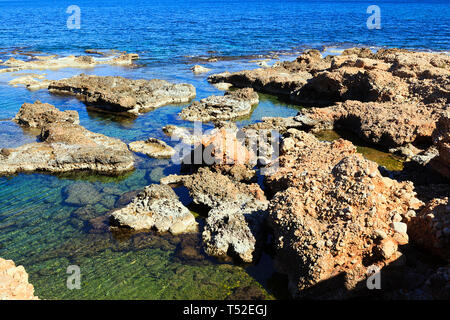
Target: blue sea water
<point>41,231</point>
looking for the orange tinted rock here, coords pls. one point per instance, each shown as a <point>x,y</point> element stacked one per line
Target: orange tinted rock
<point>14,283</point>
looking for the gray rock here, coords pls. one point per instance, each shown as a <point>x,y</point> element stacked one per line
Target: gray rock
<point>81,194</point>
<point>157,207</point>
<point>233,231</point>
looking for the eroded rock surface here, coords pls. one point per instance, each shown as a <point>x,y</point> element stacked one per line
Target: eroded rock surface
<point>123,95</point>
<point>68,147</point>
<point>232,105</point>
<point>213,189</point>
<point>389,124</point>
<point>334,215</point>
<point>156,207</point>
<point>53,62</point>
<point>233,231</point>
<point>153,148</point>
<point>430,227</point>
<point>38,114</point>
<point>14,283</point>
<point>441,140</point>
<point>391,97</point>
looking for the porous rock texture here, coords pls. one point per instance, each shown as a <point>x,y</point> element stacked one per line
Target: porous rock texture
<point>334,215</point>
<point>38,114</point>
<point>156,207</point>
<point>391,97</point>
<point>68,147</point>
<point>14,283</point>
<point>232,105</point>
<point>124,95</point>
<point>441,141</point>
<point>233,231</point>
<point>153,148</point>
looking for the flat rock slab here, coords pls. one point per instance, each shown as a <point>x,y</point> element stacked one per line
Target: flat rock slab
<point>232,105</point>
<point>156,207</point>
<point>118,94</point>
<point>153,148</point>
<point>68,147</point>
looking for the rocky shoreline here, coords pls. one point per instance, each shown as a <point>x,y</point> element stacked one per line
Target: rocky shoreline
<point>329,214</point>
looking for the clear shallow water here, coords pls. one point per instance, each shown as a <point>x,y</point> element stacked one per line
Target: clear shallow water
<point>40,230</point>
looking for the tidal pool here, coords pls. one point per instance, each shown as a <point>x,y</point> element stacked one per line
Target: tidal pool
<point>46,231</point>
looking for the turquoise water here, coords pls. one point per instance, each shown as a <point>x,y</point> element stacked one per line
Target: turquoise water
<point>43,232</point>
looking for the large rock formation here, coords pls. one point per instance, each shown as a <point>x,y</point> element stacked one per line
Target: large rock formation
<point>232,105</point>
<point>38,114</point>
<point>156,207</point>
<point>391,97</point>
<point>334,215</point>
<point>389,124</point>
<point>68,147</point>
<point>14,283</point>
<point>120,94</point>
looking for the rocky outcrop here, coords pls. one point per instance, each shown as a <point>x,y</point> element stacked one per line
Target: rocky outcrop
<point>388,75</point>
<point>391,97</point>
<point>430,227</point>
<point>38,114</point>
<point>68,147</point>
<point>441,140</point>
<point>232,231</point>
<point>120,94</point>
<point>232,105</point>
<point>334,215</point>
<point>14,283</point>
<point>156,207</point>
<point>389,124</point>
<point>153,148</point>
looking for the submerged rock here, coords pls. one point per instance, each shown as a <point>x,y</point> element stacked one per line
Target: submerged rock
<point>157,207</point>
<point>38,114</point>
<point>153,148</point>
<point>232,105</point>
<point>120,94</point>
<point>68,147</point>
<point>81,194</point>
<point>14,283</point>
